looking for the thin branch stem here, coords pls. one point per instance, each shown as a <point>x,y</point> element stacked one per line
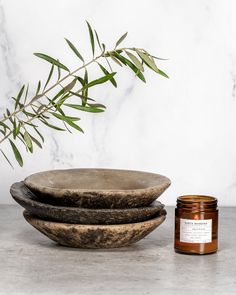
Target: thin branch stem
<point>50,88</point>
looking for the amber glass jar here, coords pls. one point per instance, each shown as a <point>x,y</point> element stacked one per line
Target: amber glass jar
<point>196,225</point>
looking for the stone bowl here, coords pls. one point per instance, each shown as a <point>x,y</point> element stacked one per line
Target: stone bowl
<point>97,188</point>
<point>23,196</point>
<point>95,236</point>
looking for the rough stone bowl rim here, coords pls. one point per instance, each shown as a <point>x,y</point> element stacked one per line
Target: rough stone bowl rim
<point>60,192</point>
<point>162,215</point>
<point>105,210</point>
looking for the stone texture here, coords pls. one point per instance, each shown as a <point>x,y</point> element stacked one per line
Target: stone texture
<point>97,188</point>
<point>95,236</point>
<point>27,199</point>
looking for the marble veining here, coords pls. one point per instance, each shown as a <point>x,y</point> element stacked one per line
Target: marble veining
<point>183,127</point>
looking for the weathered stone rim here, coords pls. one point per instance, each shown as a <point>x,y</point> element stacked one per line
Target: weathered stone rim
<point>61,192</point>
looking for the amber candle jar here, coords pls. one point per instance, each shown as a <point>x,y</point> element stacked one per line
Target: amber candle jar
<point>196,225</point>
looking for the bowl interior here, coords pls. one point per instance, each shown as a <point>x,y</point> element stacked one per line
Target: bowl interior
<point>96,179</point>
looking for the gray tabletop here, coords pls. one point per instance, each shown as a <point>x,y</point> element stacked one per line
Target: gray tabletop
<point>32,264</point>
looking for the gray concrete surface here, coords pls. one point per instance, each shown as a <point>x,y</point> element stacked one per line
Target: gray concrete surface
<point>32,264</point>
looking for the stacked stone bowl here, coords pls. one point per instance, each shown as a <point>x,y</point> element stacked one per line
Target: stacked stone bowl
<point>92,208</point>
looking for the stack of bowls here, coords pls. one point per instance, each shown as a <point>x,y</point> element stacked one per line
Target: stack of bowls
<point>92,208</point>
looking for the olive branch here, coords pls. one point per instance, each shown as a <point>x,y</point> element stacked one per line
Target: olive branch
<point>20,123</point>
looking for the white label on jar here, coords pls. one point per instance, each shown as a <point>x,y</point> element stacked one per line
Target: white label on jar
<point>195,231</point>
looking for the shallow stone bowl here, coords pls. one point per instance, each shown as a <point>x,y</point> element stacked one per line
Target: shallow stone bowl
<point>95,236</point>
<point>26,199</point>
<point>97,188</point>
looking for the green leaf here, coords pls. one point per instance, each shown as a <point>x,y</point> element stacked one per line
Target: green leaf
<point>9,115</point>
<point>91,37</point>
<point>19,96</point>
<point>74,49</point>
<point>30,124</point>
<point>116,61</point>
<point>36,141</point>
<point>49,76</point>
<point>70,85</point>
<point>52,126</point>
<point>75,126</point>
<point>65,118</point>
<point>163,73</point>
<point>86,76</point>
<point>52,61</point>
<point>84,108</point>
<point>60,93</point>
<point>148,61</point>
<point>16,129</point>
<point>28,141</point>
<point>100,80</point>
<point>105,71</point>
<point>121,39</point>
<point>67,88</point>
<point>61,101</point>
<point>135,60</point>
<point>85,90</point>
<point>26,93</point>
<point>99,44</point>
<point>81,80</point>
<point>127,62</point>
<point>4,125</point>
<point>69,120</point>
<point>156,57</point>
<point>16,153</point>
<point>5,156</point>
<point>96,105</point>
<point>58,73</point>
<point>81,96</point>
<point>38,88</point>
<point>40,135</point>
<point>20,136</point>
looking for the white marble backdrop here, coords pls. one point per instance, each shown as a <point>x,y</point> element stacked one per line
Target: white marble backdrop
<point>184,127</point>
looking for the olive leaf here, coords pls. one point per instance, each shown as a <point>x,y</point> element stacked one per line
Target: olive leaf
<point>38,87</point>
<point>105,71</point>
<point>150,62</point>
<point>128,63</point>
<point>5,156</point>
<point>90,109</point>
<point>52,61</point>
<point>121,39</point>
<point>99,44</point>
<point>74,49</point>
<point>16,153</point>
<point>19,96</point>
<point>135,60</point>
<point>116,60</point>
<point>49,76</point>
<point>28,141</point>
<point>101,80</point>
<point>35,141</point>
<point>91,37</point>
<point>52,126</point>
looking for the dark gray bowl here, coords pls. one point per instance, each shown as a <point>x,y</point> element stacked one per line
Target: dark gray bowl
<point>95,236</point>
<point>97,188</point>
<point>27,199</point>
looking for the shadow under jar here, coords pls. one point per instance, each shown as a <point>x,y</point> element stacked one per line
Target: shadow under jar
<point>196,225</point>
